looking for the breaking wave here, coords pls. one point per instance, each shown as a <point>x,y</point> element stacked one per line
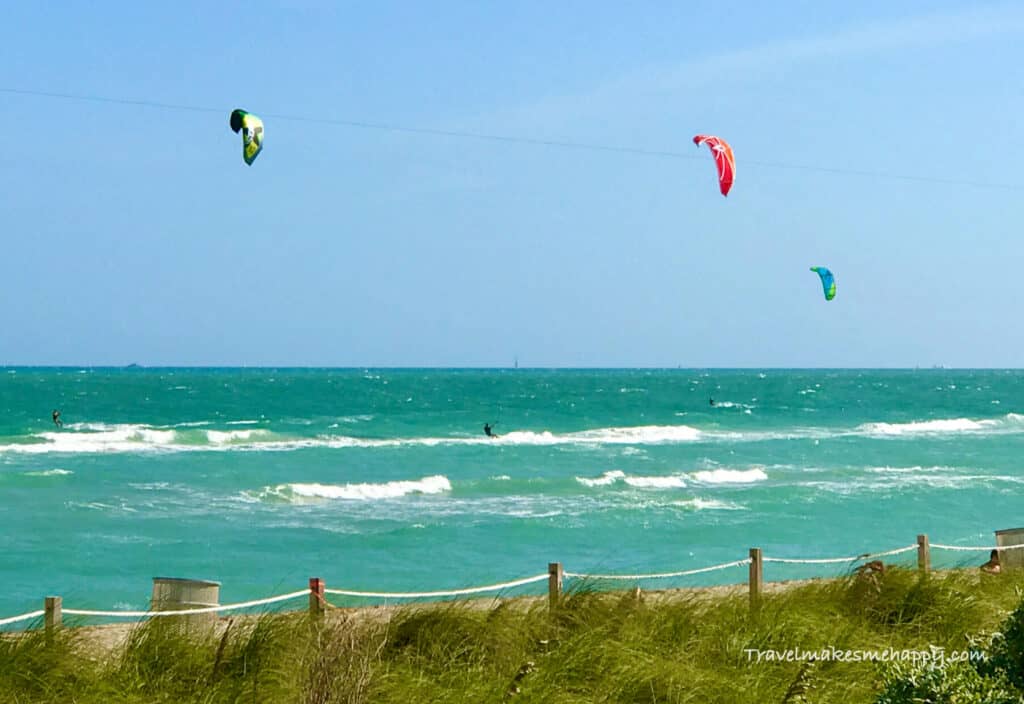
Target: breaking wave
<point>99,437</point>
<point>87,438</point>
<point>306,493</point>
<point>699,504</point>
<point>730,476</point>
<point>1009,423</point>
<point>618,476</point>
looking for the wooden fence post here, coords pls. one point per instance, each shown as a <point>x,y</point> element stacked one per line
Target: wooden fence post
<point>316,597</point>
<point>554,584</point>
<point>924,556</point>
<point>756,577</point>
<point>53,607</point>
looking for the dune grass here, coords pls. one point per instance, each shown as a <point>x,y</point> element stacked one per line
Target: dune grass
<point>596,647</point>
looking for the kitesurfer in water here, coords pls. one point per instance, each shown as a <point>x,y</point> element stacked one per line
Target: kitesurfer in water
<point>56,418</point>
<point>711,402</point>
<point>488,431</point>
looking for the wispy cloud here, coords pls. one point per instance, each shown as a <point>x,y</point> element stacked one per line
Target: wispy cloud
<point>891,37</point>
<point>887,37</point>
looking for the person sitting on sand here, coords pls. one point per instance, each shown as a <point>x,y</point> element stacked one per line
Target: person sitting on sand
<point>873,567</point>
<point>992,566</point>
<point>870,572</point>
<point>56,418</point>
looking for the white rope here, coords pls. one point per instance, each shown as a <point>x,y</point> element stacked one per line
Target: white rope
<point>23,617</point>
<point>737,563</point>
<point>453,592</point>
<point>494,587</point>
<point>186,612</point>
<point>829,560</point>
<point>993,547</point>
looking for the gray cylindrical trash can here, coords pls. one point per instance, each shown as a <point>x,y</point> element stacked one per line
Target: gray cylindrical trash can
<point>1011,559</point>
<point>176,594</point>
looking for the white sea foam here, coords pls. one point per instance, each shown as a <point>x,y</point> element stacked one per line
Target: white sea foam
<point>655,482</point>
<point>150,486</point>
<point>617,475</point>
<point>363,418</point>
<point>730,476</point>
<point>944,425</point>
<point>909,470</point>
<point>604,480</point>
<point>57,472</point>
<point>98,438</point>
<point>94,437</point>
<point>699,504</point>
<point>220,437</point>
<point>639,435</point>
<point>1011,423</point>
<point>100,506</point>
<point>903,481</point>
<point>299,493</point>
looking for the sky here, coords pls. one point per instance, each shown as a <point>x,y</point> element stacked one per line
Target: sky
<point>882,140</point>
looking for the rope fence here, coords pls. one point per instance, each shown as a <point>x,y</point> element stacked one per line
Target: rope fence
<point>833,560</point>
<point>452,592</point>
<point>988,548</point>
<point>662,575</point>
<point>23,617</point>
<point>189,612</point>
<point>53,610</point>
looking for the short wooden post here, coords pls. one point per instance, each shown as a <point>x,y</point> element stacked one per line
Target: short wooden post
<point>316,597</point>
<point>554,584</point>
<point>53,607</point>
<point>924,556</point>
<point>756,577</point>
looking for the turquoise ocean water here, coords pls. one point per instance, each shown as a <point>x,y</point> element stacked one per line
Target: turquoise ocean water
<point>382,479</point>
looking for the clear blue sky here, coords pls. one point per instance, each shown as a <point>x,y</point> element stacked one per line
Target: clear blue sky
<point>137,234</point>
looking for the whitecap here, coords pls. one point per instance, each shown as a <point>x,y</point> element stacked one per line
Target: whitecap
<point>604,480</point>
<point>730,476</point>
<point>57,472</point>
<point>299,492</point>
<point>699,504</point>
<point>617,475</point>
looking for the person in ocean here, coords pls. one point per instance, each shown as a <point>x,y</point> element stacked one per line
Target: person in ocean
<point>488,431</point>
<point>56,418</point>
<point>711,402</point>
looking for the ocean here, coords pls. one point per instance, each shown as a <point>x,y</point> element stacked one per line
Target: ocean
<point>383,480</point>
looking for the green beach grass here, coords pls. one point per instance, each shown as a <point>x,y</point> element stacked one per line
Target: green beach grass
<point>675,646</point>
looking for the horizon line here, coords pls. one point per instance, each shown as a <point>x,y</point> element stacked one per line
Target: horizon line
<point>931,367</point>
